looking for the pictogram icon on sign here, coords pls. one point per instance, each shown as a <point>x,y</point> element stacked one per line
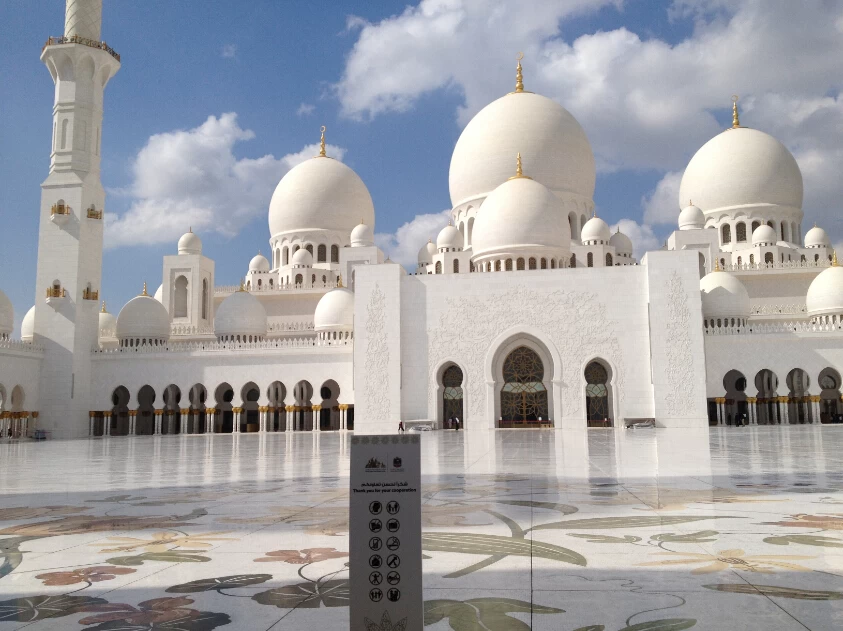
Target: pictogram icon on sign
<point>392,508</point>
<point>375,561</point>
<point>393,561</point>
<point>375,508</point>
<point>393,595</point>
<point>375,595</point>
<point>376,578</point>
<point>393,543</point>
<point>375,525</point>
<point>393,578</point>
<point>393,525</point>
<point>375,543</point>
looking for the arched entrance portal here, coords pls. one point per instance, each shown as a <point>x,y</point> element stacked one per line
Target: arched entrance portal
<point>598,403</point>
<point>452,395</point>
<point>523,395</point>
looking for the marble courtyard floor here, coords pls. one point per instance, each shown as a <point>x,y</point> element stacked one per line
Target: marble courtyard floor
<point>644,530</point>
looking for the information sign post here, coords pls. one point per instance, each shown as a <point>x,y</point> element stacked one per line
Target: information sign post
<point>385,555</point>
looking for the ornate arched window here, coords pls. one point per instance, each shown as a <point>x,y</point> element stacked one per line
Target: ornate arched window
<point>205,299</point>
<point>180,298</point>
<point>544,263</point>
<point>740,232</point>
<point>438,267</point>
<point>322,253</point>
<point>573,260</point>
<point>755,224</point>
<point>608,259</point>
<point>335,254</point>
<point>532,263</point>
<point>752,259</point>
<point>452,407</point>
<point>768,257</point>
<point>456,266</point>
<point>552,263</point>
<point>523,395</point>
<point>519,264</point>
<point>725,233</point>
<point>596,393</point>
<point>285,256</point>
<point>497,265</point>
<point>508,265</point>
<point>299,279</point>
<point>309,248</point>
<point>589,259</point>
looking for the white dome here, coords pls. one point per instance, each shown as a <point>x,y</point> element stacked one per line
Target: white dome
<point>335,311</point>
<point>259,264</point>
<point>240,314</point>
<point>817,238</point>
<point>320,194</point>
<point>190,243</point>
<point>691,218</point>
<point>302,258</point>
<point>362,236</point>
<point>107,324</point>
<point>742,167</point>
<point>764,235</point>
<point>7,315</point>
<point>426,253</point>
<point>144,318</point>
<point>595,229</point>
<point>159,294</point>
<point>621,243</point>
<point>449,237</point>
<point>520,213</point>
<point>825,294</point>
<point>27,327</point>
<point>723,295</point>
<point>553,145</point>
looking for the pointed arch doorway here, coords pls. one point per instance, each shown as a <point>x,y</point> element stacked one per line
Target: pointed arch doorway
<point>452,395</point>
<point>523,396</point>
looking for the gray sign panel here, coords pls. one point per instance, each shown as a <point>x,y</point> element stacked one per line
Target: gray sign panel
<point>385,533</point>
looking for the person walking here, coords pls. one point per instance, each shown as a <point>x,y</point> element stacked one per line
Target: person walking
<point>457,424</point>
<point>400,427</point>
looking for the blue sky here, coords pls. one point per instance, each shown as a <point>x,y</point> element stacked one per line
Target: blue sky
<point>395,84</point>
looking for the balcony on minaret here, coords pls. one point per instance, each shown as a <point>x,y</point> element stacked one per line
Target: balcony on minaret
<point>90,294</point>
<point>60,213</point>
<point>93,213</point>
<point>56,294</point>
<point>77,39</point>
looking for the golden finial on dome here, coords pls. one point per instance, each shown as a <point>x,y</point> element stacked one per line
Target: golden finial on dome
<point>322,153</point>
<point>242,286</point>
<point>339,281</point>
<point>103,307</point>
<point>717,266</point>
<point>143,293</point>
<point>519,77</point>
<point>735,120</point>
<point>519,170</point>
<point>834,262</point>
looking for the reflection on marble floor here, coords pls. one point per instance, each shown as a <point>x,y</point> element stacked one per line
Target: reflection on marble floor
<point>650,530</point>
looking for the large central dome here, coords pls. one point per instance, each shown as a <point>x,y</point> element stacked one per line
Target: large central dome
<point>554,147</point>
<point>320,194</point>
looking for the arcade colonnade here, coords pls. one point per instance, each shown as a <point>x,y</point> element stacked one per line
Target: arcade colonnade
<point>15,421</point>
<point>220,411</point>
<point>800,399</point>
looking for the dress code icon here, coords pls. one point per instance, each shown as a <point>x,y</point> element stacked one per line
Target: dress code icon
<point>375,595</point>
<point>376,578</point>
<point>375,508</point>
<point>392,525</point>
<point>375,543</point>
<point>393,595</point>
<point>392,508</point>
<point>375,525</point>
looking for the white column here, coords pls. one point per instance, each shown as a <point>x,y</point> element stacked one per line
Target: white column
<point>237,413</point>
<point>719,402</point>
<point>91,421</point>
<point>753,411</point>
<point>314,418</point>
<point>785,411</point>
<point>261,420</point>
<point>815,406</point>
<point>209,421</point>
<point>106,426</point>
<point>132,418</point>
<point>158,414</point>
<point>775,411</point>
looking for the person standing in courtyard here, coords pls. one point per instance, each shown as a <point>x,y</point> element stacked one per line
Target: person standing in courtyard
<point>400,427</point>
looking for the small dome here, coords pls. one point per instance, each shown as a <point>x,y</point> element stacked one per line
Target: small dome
<point>7,315</point>
<point>362,236</point>
<point>621,243</point>
<point>449,237</point>
<point>556,150</point>
<point>240,314</point>
<point>27,327</point>
<point>335,311</point>
<point>723,295</point>
<point>764,235</point>
<point>302,258</point>
<point>190,243</point>
<point>143,318</point>
<point>519,214</point>
<point>426,253</point>
<point>107,324</point>
<point>825,294</point>
<point>159,294</point>
<point>259,264</point>
<point>595,229</point>
<point>691,218</point>
<point>817,238</point>
<point>742,167</point>
<point>320,194</point>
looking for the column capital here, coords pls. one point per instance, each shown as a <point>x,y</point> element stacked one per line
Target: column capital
<point>783,399</point>
<point>133,412</point>
<point>263,408</point>
<point>316,408</point>
<point>185,411</point>
<point>751,399</point>
<point>237,410</point>
<point>210,410</point>
<point>35,414</point>
<point>159,412</point>
<point>92,414</point>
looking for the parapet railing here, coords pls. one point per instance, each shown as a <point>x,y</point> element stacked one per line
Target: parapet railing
<point>19,345</point>
<point>290,343</point>
<point>187,330</point>
<point>778,309</point>
<point>765,328</point>
<point>224,290</point>
<point>744,267</point>
<point>76,39</point>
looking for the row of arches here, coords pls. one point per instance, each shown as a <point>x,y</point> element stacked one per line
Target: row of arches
<point>11,407</point>
<point>522,389</point>
<point>224,410</point>
<point>181,298</point>
<point>785,231</point>
<point>282,255</point>
<point>797,401</point>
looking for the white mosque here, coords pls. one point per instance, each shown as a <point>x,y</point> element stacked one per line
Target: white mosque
<point>525,312</point>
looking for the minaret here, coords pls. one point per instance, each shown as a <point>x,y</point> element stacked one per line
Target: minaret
<point>71,227</point>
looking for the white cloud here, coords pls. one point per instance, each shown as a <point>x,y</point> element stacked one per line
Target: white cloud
<point>662,205</point>
<point>645,103</point>
<point>305,109</point>
<point>229,51</point>
<point>402,246</point>
<point>191,177</point>
<point>642,236</point>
